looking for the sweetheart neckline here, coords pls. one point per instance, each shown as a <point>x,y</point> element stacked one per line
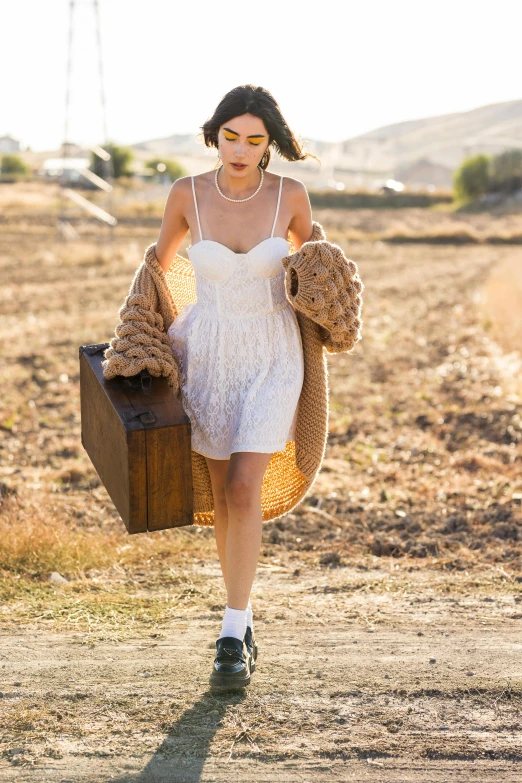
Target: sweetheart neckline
<point>213,242</point>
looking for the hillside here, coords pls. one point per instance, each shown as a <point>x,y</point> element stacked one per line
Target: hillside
<point>443,140</point>
<point>418,152</point>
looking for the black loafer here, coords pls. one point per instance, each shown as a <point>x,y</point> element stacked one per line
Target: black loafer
<point>231,664</point>
<point>251,645</point>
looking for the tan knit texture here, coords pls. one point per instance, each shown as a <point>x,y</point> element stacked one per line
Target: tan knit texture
<point>324,285</point>
<point>141,340</point>
<point>161,296</point>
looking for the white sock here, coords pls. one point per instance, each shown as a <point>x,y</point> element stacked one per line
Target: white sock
<point>234,623</point>
<point>249,618</point>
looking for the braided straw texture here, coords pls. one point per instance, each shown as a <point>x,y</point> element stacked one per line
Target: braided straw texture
<point>155,298</point>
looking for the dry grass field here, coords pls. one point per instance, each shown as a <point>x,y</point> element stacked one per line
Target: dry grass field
<point>387,606</point>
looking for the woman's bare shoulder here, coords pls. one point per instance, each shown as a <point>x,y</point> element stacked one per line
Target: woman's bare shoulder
<point>205,177</point>
<point>180,193</point>
<point>295,191</point>
<point>181,186</point>
<point>294,185</point>
<point>177,197</point>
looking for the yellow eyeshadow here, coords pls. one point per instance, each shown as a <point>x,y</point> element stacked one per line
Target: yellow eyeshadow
<point>233,137</point>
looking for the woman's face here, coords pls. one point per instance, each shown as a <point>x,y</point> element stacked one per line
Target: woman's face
<point>242,143</point>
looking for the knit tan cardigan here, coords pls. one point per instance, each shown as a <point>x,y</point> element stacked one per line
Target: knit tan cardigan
<point>325,290</point>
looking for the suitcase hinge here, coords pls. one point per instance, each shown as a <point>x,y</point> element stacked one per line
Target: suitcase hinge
<point>93,349</point>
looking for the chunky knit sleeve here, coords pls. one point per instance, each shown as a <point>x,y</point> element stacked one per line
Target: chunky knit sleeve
<point>325,285</point>
<point>141,341</point>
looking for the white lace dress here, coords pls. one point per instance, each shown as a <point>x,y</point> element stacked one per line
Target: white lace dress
<point>239,349</point>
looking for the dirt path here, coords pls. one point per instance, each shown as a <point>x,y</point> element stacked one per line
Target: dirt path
<point>387,605</point>
<point>372,673</point>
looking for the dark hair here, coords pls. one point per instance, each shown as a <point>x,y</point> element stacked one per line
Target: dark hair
<point>248,99</point>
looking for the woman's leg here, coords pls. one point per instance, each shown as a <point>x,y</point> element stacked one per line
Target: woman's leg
<point>218,472</point>
<point>242,491</point>
<point>236,488</point>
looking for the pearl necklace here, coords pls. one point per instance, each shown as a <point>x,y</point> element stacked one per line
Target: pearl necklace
<point>239,199</point>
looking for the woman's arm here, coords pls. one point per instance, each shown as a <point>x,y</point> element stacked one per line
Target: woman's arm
<point>174,227</point>
<point>300,226</point>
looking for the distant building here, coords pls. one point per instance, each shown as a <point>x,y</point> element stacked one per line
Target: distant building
<point>67,170</point>
<point>72,150</point>
<point>56,166</point>
<point>9,144</point>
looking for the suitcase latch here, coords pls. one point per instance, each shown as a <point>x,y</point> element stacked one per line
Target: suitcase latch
<point>134,381</point>
<point>146,417</point>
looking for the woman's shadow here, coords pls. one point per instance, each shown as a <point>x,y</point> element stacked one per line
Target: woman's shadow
<point>182,755</point>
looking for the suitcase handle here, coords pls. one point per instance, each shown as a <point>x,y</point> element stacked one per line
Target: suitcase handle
<point>146,417</point>
<point>144,375</point>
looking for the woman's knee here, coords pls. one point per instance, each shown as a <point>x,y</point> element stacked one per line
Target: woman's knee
<point>220,500</point>
<point>217,470</point>
<point>241,491</point>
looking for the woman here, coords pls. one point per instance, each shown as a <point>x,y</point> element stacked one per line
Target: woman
<point>238,346</point>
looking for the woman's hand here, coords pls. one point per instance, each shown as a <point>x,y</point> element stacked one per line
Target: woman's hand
<point>300,227</point>
<point>174,227</point>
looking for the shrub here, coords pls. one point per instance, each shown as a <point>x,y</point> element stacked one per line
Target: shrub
<point>506,171</point>
<point>472,178</point>
<point>121,158</point>
<point>169,169</point>
<point>13,164</point>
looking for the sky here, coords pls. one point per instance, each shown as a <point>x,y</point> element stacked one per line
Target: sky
<point>337,68</point>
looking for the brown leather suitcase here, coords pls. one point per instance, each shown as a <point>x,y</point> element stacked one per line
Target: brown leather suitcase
<point>138,438</point>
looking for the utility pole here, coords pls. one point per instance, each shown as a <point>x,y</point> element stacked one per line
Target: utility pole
<point>65,229</point>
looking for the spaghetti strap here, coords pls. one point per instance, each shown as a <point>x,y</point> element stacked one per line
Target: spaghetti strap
<point>196,205</point>
<point>277,208</point>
